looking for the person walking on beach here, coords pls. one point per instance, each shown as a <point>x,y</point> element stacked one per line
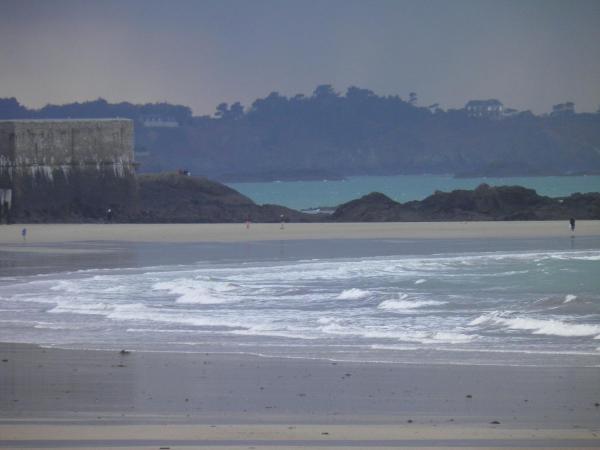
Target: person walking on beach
<point>282,217</point>
<point>24,234</point>
<point>109,215</point>
<point>572,224</point>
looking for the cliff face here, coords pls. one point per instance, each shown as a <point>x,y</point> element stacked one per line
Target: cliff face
<point>483,203</point>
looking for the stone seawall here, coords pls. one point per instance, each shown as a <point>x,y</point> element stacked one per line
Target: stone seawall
<point>68,170</point>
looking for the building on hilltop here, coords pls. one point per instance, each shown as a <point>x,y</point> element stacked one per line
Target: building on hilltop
<point>563,109</point>
<point>58,170</point>
<point>159,122</point>
<point>484,108</point>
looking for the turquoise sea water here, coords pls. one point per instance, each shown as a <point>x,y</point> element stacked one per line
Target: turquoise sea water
<point>402,188</point>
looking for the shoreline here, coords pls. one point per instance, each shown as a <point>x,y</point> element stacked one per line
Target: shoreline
<point>67,398</point>
<point>233,232</point>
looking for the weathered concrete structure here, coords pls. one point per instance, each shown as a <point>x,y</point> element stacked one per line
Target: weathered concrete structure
<point>61,170</point>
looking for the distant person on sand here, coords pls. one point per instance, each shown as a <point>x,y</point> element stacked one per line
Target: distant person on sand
<point>24,234</point>
<point>109,215</point>
<point>282,217</point>
<point>247,222</point>
<point>572,224</point>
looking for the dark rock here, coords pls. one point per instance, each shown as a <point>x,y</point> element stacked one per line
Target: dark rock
<point>495,422</point>
<point>374,207</point>
<point>483,203</point>
<point>174,198</point>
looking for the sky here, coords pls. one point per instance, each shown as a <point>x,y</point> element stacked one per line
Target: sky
<point>529,54</point>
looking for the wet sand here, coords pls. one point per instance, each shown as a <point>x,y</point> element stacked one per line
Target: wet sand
<point>53,398</point>
<point>10,235</point>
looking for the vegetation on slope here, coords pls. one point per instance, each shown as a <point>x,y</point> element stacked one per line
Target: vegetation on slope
<point>335,135</point>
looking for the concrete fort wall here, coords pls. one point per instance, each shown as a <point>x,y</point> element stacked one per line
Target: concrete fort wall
<point>68,170</point>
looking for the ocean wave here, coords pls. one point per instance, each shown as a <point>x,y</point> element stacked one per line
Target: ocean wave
<point>550,327</point>
<point>338,327</point>
<point>80,307</point>
<point>353,294</point>
<point>194,291</point>
<point>47,326</point>
<point>402,304</point>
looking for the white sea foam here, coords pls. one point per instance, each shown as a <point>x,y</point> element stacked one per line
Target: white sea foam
<point>194,291</point>
<point>423,337</point>
<point>56,327</point>
<point>353,294</point>
<point>551,327</point>
<point>484,318</point>
<point>66,286</point>
<point>420,281</point>
<point>139,312</point>
<point>398,334</point>
<point>403,304</point>
<point>569,298</point>
<point>326,320</point>
<point>81,307</point>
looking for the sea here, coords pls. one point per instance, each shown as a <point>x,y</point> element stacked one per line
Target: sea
<point>402,188</point>
<point>518,302</point>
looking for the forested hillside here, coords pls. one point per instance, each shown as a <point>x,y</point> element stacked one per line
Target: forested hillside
<point>328,135</point>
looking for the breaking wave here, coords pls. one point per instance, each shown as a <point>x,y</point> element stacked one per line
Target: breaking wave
<point>353,294</point>
<point>551,327</point>
<point>193,291</point>
<point>404,304</point>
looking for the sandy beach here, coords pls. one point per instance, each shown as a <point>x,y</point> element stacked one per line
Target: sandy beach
<point>57,233</point>
<point>60,398</point>
<point>52,398</point>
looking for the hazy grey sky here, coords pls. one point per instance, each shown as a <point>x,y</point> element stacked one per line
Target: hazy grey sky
<point>530,54</point>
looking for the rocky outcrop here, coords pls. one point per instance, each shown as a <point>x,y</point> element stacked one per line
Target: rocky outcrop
<point>178,198</point>
<point>483,203</point>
